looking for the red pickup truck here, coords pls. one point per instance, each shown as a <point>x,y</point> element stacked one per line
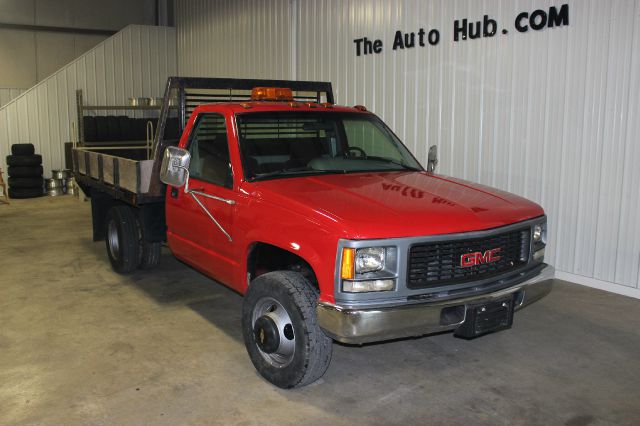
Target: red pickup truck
<point>322,218</point>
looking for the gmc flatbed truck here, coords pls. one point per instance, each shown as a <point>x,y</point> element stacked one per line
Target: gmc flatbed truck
<point>320,217</point>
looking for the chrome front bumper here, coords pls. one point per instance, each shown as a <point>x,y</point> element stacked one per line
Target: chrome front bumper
<point>357,326</point>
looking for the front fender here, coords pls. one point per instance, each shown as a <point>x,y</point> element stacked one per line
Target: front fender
<point>298,234</point>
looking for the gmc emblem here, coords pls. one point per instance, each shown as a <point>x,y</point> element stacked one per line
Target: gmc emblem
<point>478,258</point>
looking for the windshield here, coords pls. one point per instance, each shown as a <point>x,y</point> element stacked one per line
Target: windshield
<point>281,144</point>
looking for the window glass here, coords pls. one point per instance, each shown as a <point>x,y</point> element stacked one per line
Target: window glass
<point>210,151</point>
<point>368,136</point>
<point>275,141</point>
<point>291,143</point>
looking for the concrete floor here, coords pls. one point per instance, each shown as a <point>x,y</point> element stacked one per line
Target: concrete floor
<point>80,344</point>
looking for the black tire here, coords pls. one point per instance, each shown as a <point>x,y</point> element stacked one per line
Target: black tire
<point>24,160</point>
<point>267,296</point>
<point>150,254</point>
<point>22,149</point>
<point>26,182</point>
<point>140,129</point>
<point>102,129</point>
<point>121,237</point>
<point>149,251</point>
<point>113,129</point>
<point>89,127</point>
<point>25,192</point>
<point>124,124</point>
<point>25,171</point>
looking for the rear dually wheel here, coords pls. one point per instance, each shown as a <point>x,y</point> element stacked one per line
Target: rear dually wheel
<point>121,238</point>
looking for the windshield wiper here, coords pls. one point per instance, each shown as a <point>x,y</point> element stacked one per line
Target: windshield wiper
<point>391,161</point>
<point>291,172</point>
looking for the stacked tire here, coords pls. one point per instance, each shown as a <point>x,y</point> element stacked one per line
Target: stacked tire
<point>25,172</point>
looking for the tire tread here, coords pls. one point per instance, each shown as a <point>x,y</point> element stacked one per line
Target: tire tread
<point>26,182</point>
<point>24,160</point>
<point>21,193</point>
<point>24,171</point>
<point>320,345</point>
<point>150,254</point>
<point>22,149</point>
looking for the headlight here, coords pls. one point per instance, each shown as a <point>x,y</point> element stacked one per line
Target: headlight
<point>368,269</point>
<point>370,259</point>
<point>537,233</point>
<point>539,237</point>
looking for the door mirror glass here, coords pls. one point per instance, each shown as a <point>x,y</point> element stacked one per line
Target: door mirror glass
<point>175,166</point>
<point>432,159</point>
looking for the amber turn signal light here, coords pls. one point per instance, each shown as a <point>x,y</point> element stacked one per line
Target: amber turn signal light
<point>346,269</point>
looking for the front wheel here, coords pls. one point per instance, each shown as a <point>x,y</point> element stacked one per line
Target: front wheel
<point>281,332</point>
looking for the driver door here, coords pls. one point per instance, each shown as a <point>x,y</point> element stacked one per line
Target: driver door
<point>200,217</point>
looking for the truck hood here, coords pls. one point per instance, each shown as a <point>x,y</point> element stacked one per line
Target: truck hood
<point>396,204</point>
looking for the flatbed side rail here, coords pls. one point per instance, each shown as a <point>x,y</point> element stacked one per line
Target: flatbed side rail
<point>120,177</point>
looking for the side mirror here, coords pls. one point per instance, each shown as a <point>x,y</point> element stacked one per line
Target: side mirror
<point>175,166</point>
<point>432,161</point>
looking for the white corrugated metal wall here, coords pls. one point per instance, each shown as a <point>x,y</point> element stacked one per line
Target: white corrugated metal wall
<point>8,94</point>
<point>239,38</point>
<point>134,62</point>
<point>550,115</point>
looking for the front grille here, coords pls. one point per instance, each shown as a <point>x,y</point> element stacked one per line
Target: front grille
<point>439,263</point>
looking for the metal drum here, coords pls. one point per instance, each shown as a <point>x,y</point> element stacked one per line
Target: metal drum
<point>62,174</point>
<point>55,192</point>
<point>54,187</point>
<point>53,183</point>
<point>70,186</point>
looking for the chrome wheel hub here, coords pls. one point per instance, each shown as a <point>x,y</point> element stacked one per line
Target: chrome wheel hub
<point>273,332</point>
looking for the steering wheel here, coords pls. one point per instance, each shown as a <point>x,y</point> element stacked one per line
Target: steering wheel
<point>357,149</point>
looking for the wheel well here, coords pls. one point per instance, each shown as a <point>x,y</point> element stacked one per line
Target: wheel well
<point>265,258</point>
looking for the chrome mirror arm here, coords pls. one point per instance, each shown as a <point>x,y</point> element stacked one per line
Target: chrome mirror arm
<point>194,192</point>
<point>213,219</point>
